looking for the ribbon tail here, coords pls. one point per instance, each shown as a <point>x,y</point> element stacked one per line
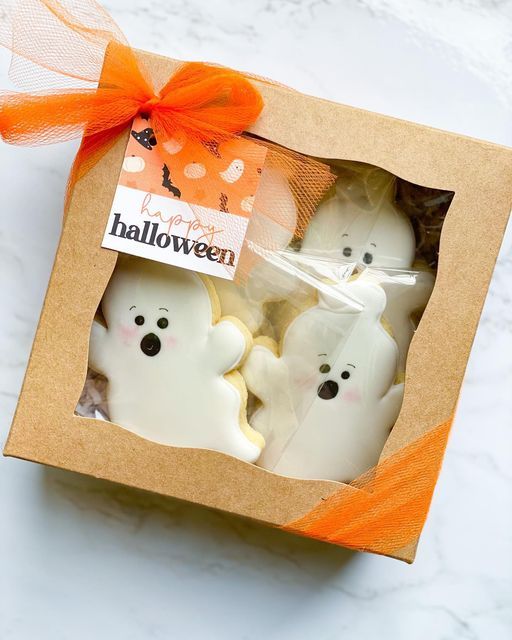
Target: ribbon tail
<point>385,509</point>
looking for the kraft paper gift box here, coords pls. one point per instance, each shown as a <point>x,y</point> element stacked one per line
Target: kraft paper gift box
<point>47,430</point>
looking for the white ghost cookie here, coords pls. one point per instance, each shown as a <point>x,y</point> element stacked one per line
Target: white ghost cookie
<point>361,225</point>
<point>373,231</point>
<point>328,396</point>
<point>170,363</point>
<point>247,302</point>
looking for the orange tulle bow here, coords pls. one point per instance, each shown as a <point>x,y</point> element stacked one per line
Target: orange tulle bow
<point>85,80</point>
<point>203,102</point>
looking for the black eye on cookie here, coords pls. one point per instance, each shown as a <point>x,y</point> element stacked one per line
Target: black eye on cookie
<point>139,320</point>
<point>345,375</point>
<point>324,368</point>
<point>162,323</point>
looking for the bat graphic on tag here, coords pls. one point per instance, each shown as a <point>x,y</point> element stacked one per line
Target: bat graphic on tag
<point>167,182</point>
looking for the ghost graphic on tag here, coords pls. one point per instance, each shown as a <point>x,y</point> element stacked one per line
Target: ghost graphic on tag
<point>234,172</point>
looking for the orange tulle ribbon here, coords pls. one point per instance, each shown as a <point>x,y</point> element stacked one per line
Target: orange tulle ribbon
<point>78,45</point>
<point>203,102</point>
<point>385,509</point>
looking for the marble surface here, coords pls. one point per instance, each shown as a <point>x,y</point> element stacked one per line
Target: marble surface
<point>83,558</point>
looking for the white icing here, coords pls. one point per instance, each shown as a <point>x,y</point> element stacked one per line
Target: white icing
<point>178,396</point>
<point>338,438</point>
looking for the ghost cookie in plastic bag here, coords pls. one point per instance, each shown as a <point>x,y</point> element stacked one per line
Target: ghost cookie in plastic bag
<point>361,222</point>
<point>328,398</point>
<point>170,361</point>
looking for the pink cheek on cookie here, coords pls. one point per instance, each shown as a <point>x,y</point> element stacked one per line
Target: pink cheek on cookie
<point>352,396</point>
<point>170,342</point>
<point>129,334</point>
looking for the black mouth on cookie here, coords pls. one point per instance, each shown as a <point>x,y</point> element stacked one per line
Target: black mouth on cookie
<point>150,344</point>
<point>328,390</point>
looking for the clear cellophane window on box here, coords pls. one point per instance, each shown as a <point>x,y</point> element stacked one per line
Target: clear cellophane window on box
<point>300,369</point>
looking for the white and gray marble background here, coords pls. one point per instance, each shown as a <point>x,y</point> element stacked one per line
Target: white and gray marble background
<point>85,559</point>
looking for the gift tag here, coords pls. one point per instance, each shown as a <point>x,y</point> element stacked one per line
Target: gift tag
<point>184,203</point>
